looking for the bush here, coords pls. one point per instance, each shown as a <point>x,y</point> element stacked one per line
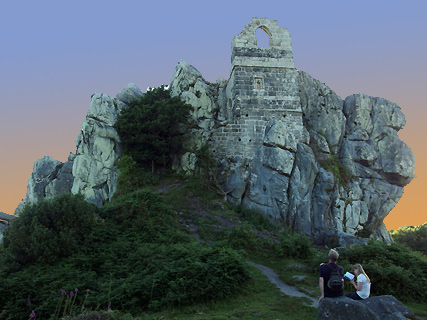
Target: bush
<point>132,177</point>
<point>136,259</point>
<point>49,230</point>
<point>393,269</point>
<point>144,216</point>
<point>257,218</point>
<point>294,245</point>
<point>152,127</point>
<point>177,275</point>
<point>413,237</point>
<point>243,236</point>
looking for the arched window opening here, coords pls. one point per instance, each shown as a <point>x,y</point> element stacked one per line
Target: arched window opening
<point>262,37</point>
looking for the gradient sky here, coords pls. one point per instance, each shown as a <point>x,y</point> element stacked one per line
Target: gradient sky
<point>55,54</point>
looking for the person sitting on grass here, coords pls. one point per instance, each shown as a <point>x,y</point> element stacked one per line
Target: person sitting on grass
<point>363,285</point>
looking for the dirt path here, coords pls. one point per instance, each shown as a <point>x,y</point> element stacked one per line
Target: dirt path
<point>286,289</point>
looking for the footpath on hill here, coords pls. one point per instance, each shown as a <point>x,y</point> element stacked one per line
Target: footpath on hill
<point>286,289</point>
<point>198,210</point>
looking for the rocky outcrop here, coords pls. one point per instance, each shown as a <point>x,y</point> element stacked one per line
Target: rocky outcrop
<point>284,142</point>
<point>373,308</point>
<point>92,169</point>
<point>335,181</point>
<point>48,179</point>
<point>99,147</point>
<point>289,146</point>
<point>4,223</point>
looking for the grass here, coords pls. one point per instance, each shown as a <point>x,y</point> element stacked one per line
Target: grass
<point>261,300</point>
<point>288,273</point>
<point>218,224</point>
<point>419,309</point>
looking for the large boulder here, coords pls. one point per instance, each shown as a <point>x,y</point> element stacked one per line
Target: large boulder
<point>48,179</point>
<point>92,170</point>
<point>335,181</point>
<point>322,112</point>
<point>373,308</point>
<point>99,147</point>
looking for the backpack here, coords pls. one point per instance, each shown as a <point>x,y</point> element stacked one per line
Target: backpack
<point>336,281</point>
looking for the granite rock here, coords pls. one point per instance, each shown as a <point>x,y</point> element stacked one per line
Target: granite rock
<point>373,308</point>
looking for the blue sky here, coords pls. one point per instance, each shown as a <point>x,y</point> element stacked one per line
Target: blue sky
<point>55,54</point>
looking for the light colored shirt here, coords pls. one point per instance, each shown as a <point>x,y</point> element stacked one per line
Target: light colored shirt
<point>366,286</point>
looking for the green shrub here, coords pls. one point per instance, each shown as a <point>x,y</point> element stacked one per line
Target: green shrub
<point>294,245</point>
<point>243,236</point>
<point>152,127</point>
<point>143,215</point>
<point>177,275</point>
<point>257,219</point>
<point>49,230</point>
<point>393,268</point>
<point>136,258</point>
<point>132,177</point>
<point>413,237</point>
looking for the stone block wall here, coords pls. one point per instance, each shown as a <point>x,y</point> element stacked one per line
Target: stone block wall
<point>263,86</point>
<point>256,96</point>
<point>245,51</point>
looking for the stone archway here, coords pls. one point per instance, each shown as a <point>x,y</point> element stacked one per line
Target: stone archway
<point>263,37</point>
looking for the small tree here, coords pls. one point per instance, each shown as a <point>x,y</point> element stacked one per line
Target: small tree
<point>50,229</point>
<point>152,127</point>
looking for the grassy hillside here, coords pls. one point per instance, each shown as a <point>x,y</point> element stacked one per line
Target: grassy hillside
<point>169,246</point>
<point>173,250</point>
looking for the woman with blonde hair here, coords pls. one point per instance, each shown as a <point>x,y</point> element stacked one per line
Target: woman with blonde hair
<point>363,285</point>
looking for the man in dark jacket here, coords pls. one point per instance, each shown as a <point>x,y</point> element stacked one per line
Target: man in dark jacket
<point>325,271</point>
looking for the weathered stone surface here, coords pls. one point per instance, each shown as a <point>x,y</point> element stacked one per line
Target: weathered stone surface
<point>301,189</point>
<point>371,128</point>
<point>98,148</point>
<point>5,216</point>
<point>131,92</point>
<point>48,179</point>
<point>278,135</point>
<point>2,228</point>
<point>92,169</point>
<point>380,307</point>
<point>44,171</point>
<point>388,307</point>
<point>4,222</point>
<point>283,141</point>
<point>322,110</point>
<point>63,181</point>
<point>343,308</point>
<point>188,84</point>
<point>246,52</point>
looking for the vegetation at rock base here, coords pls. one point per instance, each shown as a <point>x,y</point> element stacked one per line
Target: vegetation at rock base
<point>393,269</point>
<point>414,237</point>
<point>49,230</point>
<point>135,257</point>
<point>140,259</point>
